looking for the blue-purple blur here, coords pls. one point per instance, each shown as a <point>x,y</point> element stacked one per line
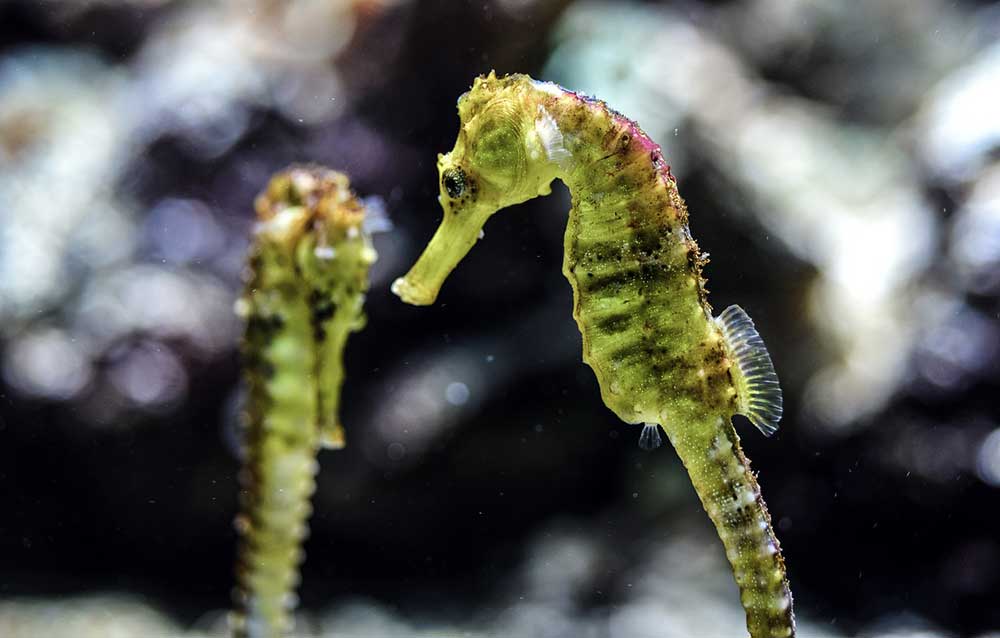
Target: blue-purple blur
<point>840,162</point>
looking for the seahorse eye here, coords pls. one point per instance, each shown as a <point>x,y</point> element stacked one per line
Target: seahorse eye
<point>454,180</point>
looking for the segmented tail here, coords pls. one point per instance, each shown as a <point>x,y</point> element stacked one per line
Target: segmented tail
<point>272,531</point>
<point>282,440</point>
<point>729,492</point>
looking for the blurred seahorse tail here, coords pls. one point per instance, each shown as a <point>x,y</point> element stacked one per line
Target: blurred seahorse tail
<point>280,447</point>
<point>729,492</point>
<point>271,546</point>
<point>275,501</point>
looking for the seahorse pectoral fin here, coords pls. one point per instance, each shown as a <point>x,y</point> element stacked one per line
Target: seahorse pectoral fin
<point>650,438</point>
<point>456,235</point>
<point>757,388</point>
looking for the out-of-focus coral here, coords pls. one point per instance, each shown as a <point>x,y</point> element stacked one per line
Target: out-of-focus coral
<point>956,345</point>
<point>486,491</point>
<point>988,459</point>
<point>874,60</point>
<point>942,453</point>
<point>65,132</point>
<point>956,128</point>
<point>47,362</point>
<point>84,5</point>
<point>974,245</point>
<point>116,283</point>
<point>202,71</point>
<point>163,303</point>
<point>96,617</point>
<point>681,589</point>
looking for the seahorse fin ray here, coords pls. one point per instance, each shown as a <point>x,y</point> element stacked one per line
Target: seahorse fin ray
<point>757,388</point>
<point>650,438</point>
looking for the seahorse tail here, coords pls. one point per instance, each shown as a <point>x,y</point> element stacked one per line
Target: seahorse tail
<point>275,506</point>
<point>730,494</point>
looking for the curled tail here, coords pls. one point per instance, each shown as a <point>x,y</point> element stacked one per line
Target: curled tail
<point>729,492</point>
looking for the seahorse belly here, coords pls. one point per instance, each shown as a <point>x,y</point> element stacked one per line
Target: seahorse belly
<point>638,295</point>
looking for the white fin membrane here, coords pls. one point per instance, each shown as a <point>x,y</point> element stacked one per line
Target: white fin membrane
<point>650,438</point>
<point>552,139</point>
<point>757,386</point>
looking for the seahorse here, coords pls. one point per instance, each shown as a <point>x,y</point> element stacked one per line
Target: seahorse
<point>306,278</point>
<point>639,298</point>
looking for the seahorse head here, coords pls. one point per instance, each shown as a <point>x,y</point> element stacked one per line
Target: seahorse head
<point>312,217</point>
<point>498,161</point>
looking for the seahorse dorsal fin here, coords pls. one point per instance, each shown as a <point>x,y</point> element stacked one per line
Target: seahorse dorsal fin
<point>757,388</point>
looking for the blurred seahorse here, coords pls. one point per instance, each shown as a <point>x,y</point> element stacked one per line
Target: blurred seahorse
<point>306,279</point>
<point>640,301</point>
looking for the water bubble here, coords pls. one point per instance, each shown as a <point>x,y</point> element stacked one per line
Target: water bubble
<point>182,231</point>
<point>48,363</point>
<point>457,393</point>
<point>149,374</point>
<point>988,459</point>
<point>395,451</point>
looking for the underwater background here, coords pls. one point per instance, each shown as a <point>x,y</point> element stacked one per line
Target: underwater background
<point>841,164</point>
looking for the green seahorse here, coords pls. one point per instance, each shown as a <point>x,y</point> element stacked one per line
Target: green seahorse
<point>660,357</point>
<point>306,279</point>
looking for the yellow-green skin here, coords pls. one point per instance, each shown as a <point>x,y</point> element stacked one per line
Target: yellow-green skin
<point>307,274</point>
<point>639,296</point>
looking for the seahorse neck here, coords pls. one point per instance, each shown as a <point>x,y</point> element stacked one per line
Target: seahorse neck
<point>609,159</point>
<point>621,183</point>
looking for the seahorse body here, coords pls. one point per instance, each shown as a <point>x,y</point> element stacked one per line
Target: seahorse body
<point>639,298</point>
<point>307,275</point>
